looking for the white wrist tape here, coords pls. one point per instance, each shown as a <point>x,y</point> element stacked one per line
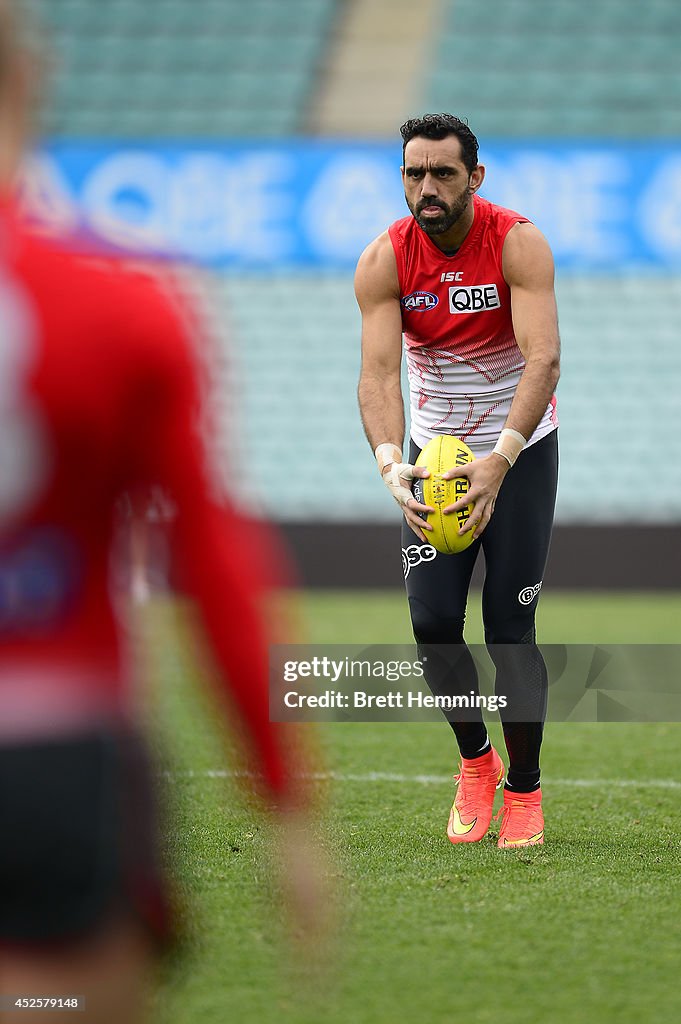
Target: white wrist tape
<point>387,453</point>
<point>510,445</point>
<point>396,480</point>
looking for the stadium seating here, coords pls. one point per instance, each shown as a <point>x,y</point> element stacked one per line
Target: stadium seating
<point>205,68</point>
<point>518,68</point>
<point>296,373</point>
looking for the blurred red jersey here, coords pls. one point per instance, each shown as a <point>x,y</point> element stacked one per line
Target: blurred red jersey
<point>98,397</point>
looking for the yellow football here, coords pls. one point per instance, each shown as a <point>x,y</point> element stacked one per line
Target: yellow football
<point>440,454</point>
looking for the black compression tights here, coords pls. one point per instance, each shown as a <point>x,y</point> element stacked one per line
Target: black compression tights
<point>515,545</point>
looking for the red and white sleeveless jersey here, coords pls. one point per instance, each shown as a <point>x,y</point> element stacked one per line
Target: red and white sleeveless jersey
<point>100,372</point>
<point>463,360</point>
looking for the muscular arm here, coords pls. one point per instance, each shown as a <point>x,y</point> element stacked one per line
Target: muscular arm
<point>380,391</point>
<point>219,569</point>
<point>380,388</point>
<point>528,270</point>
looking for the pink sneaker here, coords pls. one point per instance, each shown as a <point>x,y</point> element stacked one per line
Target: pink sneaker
<point>479,778</point>
<point>523,821</point>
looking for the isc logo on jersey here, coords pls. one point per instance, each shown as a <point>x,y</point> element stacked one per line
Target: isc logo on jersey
<point>419,302</point>
<point>473,298</point>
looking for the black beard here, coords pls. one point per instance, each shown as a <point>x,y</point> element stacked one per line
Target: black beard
<point>450,214</point>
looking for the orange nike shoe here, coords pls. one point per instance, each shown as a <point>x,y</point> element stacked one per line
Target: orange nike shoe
<point>523,821</point>
<point>471,813</point>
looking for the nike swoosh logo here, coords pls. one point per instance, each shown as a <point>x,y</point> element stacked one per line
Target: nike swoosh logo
<point>525,842</point>
<point>456,826</point>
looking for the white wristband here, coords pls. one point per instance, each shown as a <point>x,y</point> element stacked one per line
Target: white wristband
<point>510,445</point>
<point>386,453</point>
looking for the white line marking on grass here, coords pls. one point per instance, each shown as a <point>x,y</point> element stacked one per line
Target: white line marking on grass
<point>435,780</point>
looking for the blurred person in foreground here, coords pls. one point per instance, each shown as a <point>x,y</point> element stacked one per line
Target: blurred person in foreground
<point>99,397</point>
<point>470,284</point>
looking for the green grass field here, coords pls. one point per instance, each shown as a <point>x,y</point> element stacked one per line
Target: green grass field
<point>586,928</point>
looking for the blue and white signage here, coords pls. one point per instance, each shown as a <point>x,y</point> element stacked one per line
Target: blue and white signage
<point>317,204</point>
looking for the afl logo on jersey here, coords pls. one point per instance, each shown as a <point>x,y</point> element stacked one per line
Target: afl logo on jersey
<point>473,298</point>
<point>419,302</point>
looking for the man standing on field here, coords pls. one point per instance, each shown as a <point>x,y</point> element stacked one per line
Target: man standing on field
<point>470,285</point>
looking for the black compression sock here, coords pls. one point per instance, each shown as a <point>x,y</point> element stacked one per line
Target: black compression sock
<point>523,743</point>
<point>522,782</point>
<point>472,739</point>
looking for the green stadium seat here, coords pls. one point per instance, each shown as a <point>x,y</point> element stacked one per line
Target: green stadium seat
<point>565,68</point>
<point>209,68</point>
<point>284,375</point>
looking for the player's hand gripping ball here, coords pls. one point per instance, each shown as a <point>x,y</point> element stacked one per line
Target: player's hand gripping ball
<point>440,454</point>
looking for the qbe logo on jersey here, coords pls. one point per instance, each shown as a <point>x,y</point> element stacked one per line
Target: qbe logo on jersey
<point>473,298</point>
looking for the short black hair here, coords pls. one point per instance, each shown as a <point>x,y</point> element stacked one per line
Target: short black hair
<point>439,126</point>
